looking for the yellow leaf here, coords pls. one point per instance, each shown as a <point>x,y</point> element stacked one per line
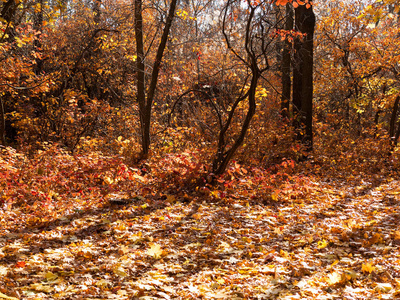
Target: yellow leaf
<point>119,270</point>
<point>221,281</point>
<point>41,288</point>
<point>51,276</point>
<point>122,293</point>
<point>334,278</point>
<point>196,216</point>
<point>335,263</point>
<point>108,180</point>
<point>155,251</point>
<point>367,268</point>
<point>2,296</point>
<point>103,283</point>
<point>383,287</point>
<point>322,244</point>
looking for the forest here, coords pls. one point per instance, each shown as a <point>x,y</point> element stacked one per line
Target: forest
<point>199,149</point>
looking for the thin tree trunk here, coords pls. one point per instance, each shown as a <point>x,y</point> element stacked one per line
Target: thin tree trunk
<point>376,122</point>
<point>396,137</point>
<point>140,70</point>
<point>2,123</point>
<point>297,84</point>
<point>285,66</point>
<point>221,162</point>
<point>223,156</point>
<point>146,102</point>
<point>393,117</point>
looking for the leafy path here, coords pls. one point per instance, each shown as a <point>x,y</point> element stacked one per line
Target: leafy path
<point>329,245</point>
<point>255,235</point>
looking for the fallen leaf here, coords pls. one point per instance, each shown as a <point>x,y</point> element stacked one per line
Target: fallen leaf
<point>367,268</point>
<point>41,288</point>
<point>322,244</point>
<point>383,287</point>
<point>334,278</point>
<point>119,270</point>
<point>51,276</point>
<point>2,296</point>
<point>3,271</point>
<point>20,264</point>
<point>155,251</point>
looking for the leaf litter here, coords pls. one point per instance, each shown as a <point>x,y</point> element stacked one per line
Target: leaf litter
<point>250,236</point>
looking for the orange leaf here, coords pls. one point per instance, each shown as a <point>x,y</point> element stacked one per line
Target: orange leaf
<point>281,2</point>
<point>20,264</point>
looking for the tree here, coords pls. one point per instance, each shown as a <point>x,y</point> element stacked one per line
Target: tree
<point>356,67</point>
<point>145,96</point>
<point>7,14</point>
<point>303,74</point>
<point>252,47</point>
<point>286,64</point>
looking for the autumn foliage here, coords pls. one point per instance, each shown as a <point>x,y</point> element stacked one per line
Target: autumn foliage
<point>227,202</point>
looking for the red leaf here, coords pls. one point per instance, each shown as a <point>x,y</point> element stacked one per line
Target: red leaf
<point>20,264</point>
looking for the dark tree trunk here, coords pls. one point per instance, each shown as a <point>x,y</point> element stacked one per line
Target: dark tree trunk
<point>224,152</point>
<point>224,156</point>
<point>393,117</point>
<point>394,136</point>
<point>2,123</point>
<point>285,65</point>
<point>303,74</point>
<point>145,100</point>
<point>7,13</point>
<point>297,84</point>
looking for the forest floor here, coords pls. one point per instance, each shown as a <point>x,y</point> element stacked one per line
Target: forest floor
<point>72,233</point>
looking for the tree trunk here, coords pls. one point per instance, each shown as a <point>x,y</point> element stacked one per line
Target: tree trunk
<point>303,74</point>
<point>2,123</point>
<point>37,44</point>
<point>221,161</point>
<point>146,101</point>
<point>393,117</point>
<point>224,153</point>
<point>396,137</point>
<point>285,65</point>
<point>140,83</point>
<point>7,13</point>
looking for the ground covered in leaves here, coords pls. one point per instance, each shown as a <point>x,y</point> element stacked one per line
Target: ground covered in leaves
<point>92,227</point>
